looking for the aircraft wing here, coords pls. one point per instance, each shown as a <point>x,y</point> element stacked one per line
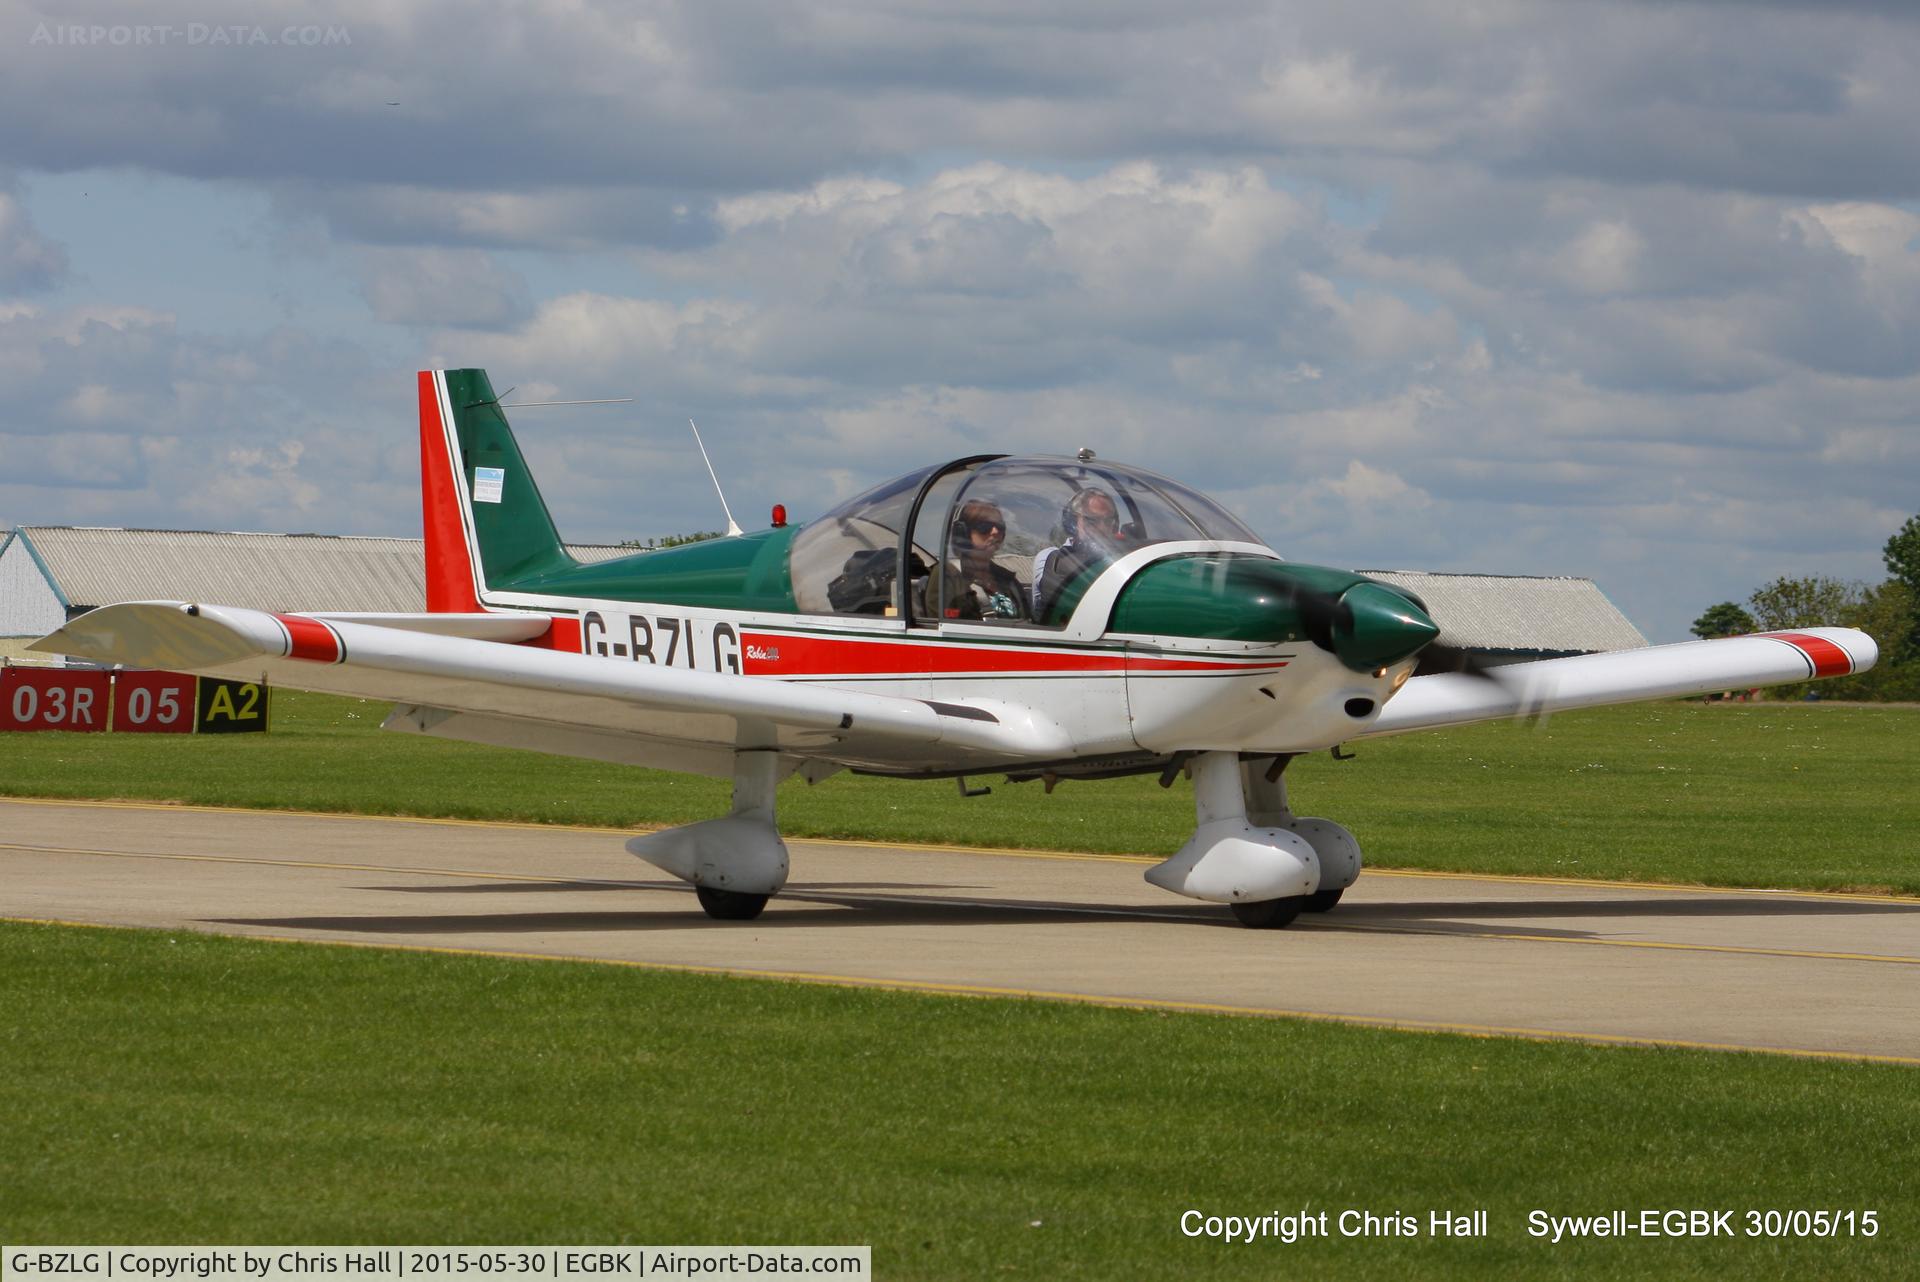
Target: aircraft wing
<point>1624,676</point>
<point>491,691</point>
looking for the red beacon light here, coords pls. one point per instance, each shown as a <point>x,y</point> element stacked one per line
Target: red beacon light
<point>779,516</point>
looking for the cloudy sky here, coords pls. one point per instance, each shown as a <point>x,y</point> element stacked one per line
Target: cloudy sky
<point>1618,290</point>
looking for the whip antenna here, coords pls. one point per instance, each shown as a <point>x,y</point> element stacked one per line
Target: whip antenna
<point>733,526</point>
<point>528,405</point>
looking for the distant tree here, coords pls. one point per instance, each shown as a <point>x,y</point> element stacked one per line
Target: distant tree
<point>1724,620</point>
<point>670,541</point>
<point>1903,563</point>
<point>1882,612</point>
<point>698,536</point>
<point>1903,554</point>
<point>1805,603</point>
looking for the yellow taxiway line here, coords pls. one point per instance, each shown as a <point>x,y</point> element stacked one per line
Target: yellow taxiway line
<point>801,894</point>
<point>1008,851</point>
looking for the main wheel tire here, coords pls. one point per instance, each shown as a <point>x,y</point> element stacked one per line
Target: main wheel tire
<point>730,905</point>
<point>1269,914</point>
<point>1321,900</point>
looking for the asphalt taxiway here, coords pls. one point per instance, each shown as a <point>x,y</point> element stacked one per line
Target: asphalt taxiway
<point>1788,972</point>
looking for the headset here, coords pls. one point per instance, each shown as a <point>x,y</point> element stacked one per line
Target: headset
<point>958,534</point>
<point>1076,507</point>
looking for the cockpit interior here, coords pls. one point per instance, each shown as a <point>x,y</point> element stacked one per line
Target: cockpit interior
<point>994,538</point>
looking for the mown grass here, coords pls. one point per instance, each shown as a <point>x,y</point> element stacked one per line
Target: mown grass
<point>1765,794</point>
<point>172,1087</point>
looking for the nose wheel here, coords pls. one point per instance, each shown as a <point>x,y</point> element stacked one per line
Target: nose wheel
<point>730,905</point>
<point>1272,914</point>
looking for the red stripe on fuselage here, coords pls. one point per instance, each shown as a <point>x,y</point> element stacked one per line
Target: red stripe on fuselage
<point>1828,659</point>
<point>449,563</point>
<point>786,655</point>
<point>563,634</point>
<point>1142,663</point>
<point>311,639</point>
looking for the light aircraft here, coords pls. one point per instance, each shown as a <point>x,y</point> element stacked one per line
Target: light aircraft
<point>1039,617</point>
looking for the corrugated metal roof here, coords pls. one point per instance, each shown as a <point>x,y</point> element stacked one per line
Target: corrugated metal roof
<point>589,553</point>
<point>1519,614</point>
<point>94,566</point>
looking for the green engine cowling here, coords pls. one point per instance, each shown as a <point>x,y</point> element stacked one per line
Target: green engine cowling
<point>1363,622</point>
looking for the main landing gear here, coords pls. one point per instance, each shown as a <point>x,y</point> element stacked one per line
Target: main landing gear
<point>1247,851</point>
<point>736,863</point>
<point>1250,852</point>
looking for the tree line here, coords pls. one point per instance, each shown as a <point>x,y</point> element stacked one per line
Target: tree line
<point>1889,612</point>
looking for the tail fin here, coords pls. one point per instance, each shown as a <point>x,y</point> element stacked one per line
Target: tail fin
<point>486,525</point>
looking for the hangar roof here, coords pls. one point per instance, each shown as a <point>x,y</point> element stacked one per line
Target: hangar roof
<point>1518,614</point>
<point>94,566</point>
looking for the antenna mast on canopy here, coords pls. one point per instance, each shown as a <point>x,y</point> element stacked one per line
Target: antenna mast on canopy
<point>733,526</point>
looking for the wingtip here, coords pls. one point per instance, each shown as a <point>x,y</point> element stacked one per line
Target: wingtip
<point>1860,647</point>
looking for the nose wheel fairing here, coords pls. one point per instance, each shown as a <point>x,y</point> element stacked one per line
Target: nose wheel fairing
<point>1248,849</point>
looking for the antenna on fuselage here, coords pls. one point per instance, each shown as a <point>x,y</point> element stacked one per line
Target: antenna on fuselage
<point>733,526</point>
<point>530,405</point>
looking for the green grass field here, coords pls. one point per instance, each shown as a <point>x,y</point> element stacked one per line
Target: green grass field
<point>1765,794</point>
<point>166,1087</point>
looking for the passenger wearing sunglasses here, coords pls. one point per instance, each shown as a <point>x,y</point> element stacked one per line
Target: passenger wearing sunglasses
<point>977,586</point>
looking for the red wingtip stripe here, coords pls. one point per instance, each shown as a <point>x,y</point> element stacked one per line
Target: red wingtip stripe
<point>311,639</point>
<point>1828,659</point>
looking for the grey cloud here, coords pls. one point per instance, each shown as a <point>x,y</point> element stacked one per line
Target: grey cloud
<point>1110,335</point>
<point>442,287</point>
<point>117,417</point>
<point>78,460</point>
<point>994,276</point>
<point>29,261</point>
<point>702,100</point>
<point>563,219</point>
<point>1660,288</point>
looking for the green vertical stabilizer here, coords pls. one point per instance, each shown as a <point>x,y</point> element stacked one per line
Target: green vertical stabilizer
<point>515,531</point>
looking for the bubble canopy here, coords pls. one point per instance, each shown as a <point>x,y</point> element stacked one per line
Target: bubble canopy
<point>973,539</point>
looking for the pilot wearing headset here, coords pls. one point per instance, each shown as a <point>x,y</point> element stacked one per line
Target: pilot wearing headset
<point>977,586</point>
<point>1091,520</point>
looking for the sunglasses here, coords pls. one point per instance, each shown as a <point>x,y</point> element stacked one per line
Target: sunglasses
<point>983,526</point>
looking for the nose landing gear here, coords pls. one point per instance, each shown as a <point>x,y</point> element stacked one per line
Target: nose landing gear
<point>1249,851</point>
